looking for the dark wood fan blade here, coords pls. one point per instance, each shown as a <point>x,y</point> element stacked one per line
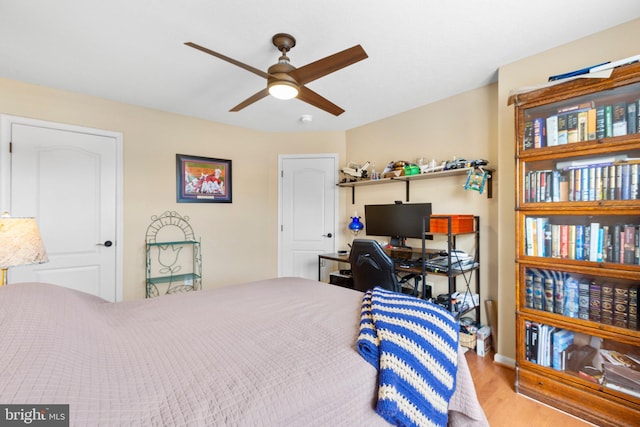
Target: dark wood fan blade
<point>253,98</point>
<point>311,97</point>
<point>322,67</point>
<point>231,60</point>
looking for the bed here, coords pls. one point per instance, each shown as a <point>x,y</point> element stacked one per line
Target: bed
<point>278,352</point>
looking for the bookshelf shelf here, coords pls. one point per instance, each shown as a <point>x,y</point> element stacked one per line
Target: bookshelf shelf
<point>578,246</point>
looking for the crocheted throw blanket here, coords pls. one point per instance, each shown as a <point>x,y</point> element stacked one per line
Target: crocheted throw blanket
<point>414,345</point>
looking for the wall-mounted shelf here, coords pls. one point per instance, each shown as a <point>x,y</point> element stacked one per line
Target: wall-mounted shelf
<point>408,179</point>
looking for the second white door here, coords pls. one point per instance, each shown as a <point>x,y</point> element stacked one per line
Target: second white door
<point>307,212</point>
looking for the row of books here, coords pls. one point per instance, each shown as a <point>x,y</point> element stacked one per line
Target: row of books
<point>614,181</point>
<point>617,243</point>
<point>582,122</point>
<point>600,301</point>
<point>565,350</point>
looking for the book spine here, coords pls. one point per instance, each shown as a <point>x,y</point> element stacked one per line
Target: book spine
<point>621,306</point>
<point>633,186</point>
<point>633,307</point>
<point>555,240</point>
<point>562,129</point>
<point>608,121</point>
<point>572,127</point>
<point>632,117</point>
<point>606,307</point>
<point>564,241</point>
<point>595,299</point>
<point>534,342</point>
<point>527,142</point>
<point>605,182</point>
<point>538,293</point>
<point>591,124</point>
<point>583,299</point>
<point>548,295</point>
<point>600,122</point>
<point>619,119</point>
<point>582,126</point>
<point>572,242</point>
<point>571,302</point>
<point>552,131</point>
<point>584,184</point>
<point>594,231</point>
<point>539,133</point>
<point>579,251</point>
<point>626,182</point>
<point>528,289</point>
<point>558,303</point>
<point>629,244</point>
<point>618,188</point>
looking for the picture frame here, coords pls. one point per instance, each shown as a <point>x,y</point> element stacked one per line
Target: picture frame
<point>203,179</point>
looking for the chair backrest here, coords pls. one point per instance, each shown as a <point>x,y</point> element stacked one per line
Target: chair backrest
<point>371,266</point>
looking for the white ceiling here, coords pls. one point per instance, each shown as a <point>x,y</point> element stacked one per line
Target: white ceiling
<point>419,51</point>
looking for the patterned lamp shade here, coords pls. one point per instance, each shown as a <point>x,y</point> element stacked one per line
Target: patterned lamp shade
<point>20,243</point>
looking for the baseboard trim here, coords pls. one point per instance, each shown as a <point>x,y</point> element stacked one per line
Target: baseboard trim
<point>503,360</point>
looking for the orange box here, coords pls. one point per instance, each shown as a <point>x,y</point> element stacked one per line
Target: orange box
<point>459,223</point>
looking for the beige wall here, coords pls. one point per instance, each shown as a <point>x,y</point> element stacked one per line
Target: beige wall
<point>463,126</point>
<point>239,240</point>
<point>616,43</point>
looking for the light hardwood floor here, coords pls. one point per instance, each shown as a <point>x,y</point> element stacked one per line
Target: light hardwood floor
<point>503,406</point>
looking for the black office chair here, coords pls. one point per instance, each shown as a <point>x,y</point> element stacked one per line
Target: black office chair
<point>371,266</point>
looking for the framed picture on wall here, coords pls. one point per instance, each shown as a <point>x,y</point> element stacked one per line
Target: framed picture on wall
<point>203,179</point>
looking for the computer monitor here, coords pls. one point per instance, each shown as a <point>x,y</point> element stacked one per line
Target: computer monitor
<point>398,221</point>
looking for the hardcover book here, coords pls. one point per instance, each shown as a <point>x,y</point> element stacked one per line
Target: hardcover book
<point>572,127</point>
<point>591,124</point>
<point>562,129</point>
<point>558,303</point>
<point>571,302</point>
<point>539,133</point>
<point>606,306</point>
<point>583,299</point>
<point>595,300</point>
<point>548,294</point>
<point>632,117</point>
<point>619,119</point>
<point>620,306</point>
<point>582,126</point>
<point>552,131</point>
<point>538,293</point>
<point>528,135</point>
<point>600,122</point>
<point>608,121</point>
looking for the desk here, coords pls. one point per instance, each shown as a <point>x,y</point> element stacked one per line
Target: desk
<point>331,257</point>
<point>414,270</point>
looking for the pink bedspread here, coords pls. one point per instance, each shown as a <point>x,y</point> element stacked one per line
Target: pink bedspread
<point>276,352</point>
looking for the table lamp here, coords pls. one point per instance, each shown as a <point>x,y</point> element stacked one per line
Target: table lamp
<point>355,225</point>
<point>20,244</point>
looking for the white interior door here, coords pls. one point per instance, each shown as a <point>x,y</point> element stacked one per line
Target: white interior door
<point>308,202</point>
<point>66,177</point>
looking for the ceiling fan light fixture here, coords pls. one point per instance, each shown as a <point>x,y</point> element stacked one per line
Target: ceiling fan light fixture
<point>283,89</point>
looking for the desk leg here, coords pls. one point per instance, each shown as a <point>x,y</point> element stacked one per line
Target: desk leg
<point>319,269</point>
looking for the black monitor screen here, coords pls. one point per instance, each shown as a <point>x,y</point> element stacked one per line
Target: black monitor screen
<point>398,220</point>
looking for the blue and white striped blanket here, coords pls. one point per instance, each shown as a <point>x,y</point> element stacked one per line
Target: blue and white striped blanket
<point>414,345</point>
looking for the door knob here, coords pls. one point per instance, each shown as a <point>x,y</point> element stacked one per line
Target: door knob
<point>328,235</point>
<point>106,243</point>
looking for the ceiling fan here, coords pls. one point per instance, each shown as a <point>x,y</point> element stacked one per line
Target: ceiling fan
<point>284,81</point>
